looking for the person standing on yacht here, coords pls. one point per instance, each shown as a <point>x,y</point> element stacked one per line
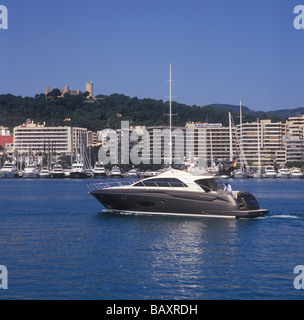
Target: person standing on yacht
<point>228,188</point>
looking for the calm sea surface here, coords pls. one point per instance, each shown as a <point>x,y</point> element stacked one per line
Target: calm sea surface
<point>57,244</point>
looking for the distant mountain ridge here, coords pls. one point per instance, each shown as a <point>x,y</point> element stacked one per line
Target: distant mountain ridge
<point>109,111</point>
<point>231,107</point>
<point>284,113</point>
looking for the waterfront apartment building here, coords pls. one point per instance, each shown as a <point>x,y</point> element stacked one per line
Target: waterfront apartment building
<point>209,143</point>
<point>295,139</point>
<point>204,143</point>
<point>212,142</point>
<point>264,138</point>
<point>31,138</point>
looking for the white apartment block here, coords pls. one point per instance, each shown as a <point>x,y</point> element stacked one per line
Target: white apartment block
<point>36,139</point>
<point>295,139</point>
<point>265,137</point>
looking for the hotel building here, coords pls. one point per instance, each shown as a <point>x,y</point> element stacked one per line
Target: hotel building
<point>265,137</point>
<point>295,139</point>
<point>36,138</point>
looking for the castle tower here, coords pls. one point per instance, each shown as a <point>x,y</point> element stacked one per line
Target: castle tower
<point>89,88</point>
<point>47,90</point>
<point>66,90</point>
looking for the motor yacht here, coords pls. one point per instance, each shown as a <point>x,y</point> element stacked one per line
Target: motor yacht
<point>239,174</point>
<point>133,173</point>
<point>8,171</point>
<point>296,174</point>
<point>257,175</point>
<point>30,171</point>
<point>44,173</point>
<point>284,173</point>
<point>99,170</point>
<point>57,172</point>
<point>180,193</point>
<point>115,172</point>
<point>78,171</point>
<point>270,172</point>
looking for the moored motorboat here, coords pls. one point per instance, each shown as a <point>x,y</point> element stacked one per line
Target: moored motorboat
<point>133,173</point>
<point>44,173</point>
<point>99,170</point>
<point>177,192</point>
<point>284,173</point>
<point>257,175</point>
<point>9,171</point>
<point>239,174</point>
<point>270,172</point>
<point>57,172</point>
<point>78,171</point>
<point>296,174</point>
<point>115,172</point>
<point>30,171</point>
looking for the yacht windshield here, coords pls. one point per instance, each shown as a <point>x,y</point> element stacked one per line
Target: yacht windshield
<point>209,184</point>
<point>161,182</point>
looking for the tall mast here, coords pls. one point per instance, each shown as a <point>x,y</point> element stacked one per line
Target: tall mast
<point>230,134</point>
<point>241,135</point>
<point>241,122</point>
<point>259,152</point>
<point>170,121</point>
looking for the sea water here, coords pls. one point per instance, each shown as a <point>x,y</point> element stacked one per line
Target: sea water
<point>56,243</point>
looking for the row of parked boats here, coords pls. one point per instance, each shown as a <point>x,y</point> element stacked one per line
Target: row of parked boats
<point>270,172</point>
<point>78,171</point>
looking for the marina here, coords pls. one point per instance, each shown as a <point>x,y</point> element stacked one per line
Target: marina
<point>10,170</point>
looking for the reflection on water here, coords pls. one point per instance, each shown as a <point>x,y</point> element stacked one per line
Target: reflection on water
<point>183,253</point>
<point>56,243</point>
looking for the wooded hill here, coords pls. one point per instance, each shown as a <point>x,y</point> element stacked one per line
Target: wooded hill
<point>108,111</point>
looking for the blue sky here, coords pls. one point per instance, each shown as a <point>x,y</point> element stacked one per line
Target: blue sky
<point>221,51</point>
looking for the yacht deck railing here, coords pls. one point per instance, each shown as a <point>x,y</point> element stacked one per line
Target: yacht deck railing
<point>103,185</point>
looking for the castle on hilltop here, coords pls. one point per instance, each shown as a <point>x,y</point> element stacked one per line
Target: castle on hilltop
<point>89,89</point>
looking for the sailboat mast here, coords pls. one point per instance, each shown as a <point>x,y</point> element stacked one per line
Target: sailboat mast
<point>241,135</point>
<point>241,123</point>
<point>259,152</point>
<point>230,134</point>
<point>170,121</point>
